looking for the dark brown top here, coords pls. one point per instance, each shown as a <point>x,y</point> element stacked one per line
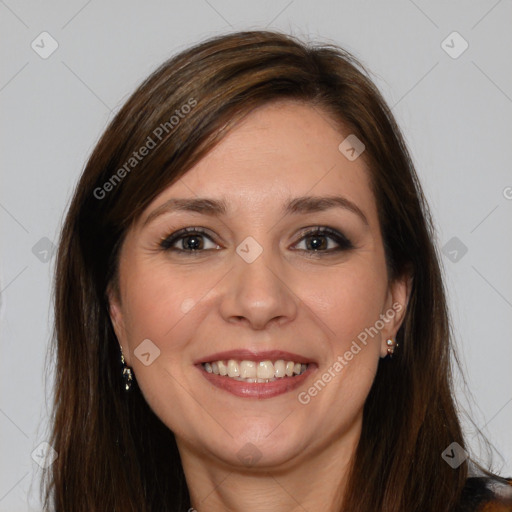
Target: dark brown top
<point>483,494</point>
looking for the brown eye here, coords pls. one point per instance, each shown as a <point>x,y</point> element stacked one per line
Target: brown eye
<point>188,240</point>
<point>325,240</point>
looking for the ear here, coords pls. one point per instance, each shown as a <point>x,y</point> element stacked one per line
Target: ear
<point>117,319</point>
<point>395,308</point>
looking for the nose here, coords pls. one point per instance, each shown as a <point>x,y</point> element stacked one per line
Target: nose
<point>257,294</point>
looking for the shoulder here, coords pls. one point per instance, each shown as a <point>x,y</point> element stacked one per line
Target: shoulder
<point>485,494</point>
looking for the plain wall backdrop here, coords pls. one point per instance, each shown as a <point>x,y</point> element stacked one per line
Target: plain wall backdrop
<point>453,104</point>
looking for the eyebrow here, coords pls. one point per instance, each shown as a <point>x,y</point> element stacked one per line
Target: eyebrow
<point>216,208</point>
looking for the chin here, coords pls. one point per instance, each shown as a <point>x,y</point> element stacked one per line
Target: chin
<point>256,446</point>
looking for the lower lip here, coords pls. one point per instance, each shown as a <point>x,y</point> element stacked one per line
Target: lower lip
<point>257,389</point>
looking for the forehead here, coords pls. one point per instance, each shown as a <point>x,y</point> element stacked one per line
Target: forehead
<point>278,151</point>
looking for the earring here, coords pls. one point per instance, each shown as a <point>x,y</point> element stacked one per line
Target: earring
<point>392,345</point>
<point>127,374</point>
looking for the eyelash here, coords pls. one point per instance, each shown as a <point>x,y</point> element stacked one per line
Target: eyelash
<point>344,243</point>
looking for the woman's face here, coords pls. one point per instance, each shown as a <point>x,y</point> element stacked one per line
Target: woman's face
<point>257,284</point>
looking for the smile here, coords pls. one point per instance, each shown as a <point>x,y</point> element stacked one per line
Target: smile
<point>255,371</point>
<point>256,375</point>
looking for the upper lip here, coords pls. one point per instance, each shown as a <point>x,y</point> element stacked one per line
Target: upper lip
<point>249,355</point>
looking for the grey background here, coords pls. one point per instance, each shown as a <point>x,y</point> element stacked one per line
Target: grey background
<point>455,113</point>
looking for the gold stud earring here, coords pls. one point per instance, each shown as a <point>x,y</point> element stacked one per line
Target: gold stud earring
<point>392,345</point>
<point>127,374</point>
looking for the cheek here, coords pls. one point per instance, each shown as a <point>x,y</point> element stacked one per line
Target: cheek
<point>348,300</point>
<point>156,309</point>
<point>166,307</point>
<point>154,304</point>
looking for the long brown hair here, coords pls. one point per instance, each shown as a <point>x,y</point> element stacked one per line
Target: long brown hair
<point>113,452</point>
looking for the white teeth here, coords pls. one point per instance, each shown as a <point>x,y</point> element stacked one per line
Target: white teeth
<point>251,371</point>
<point>223,369</point>
<point>265,370</point>
<point>233,368</point>
<point>280,368</point>
<point>248,370</point>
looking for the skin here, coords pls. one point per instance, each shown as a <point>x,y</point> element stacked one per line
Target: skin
<point>191,306</point>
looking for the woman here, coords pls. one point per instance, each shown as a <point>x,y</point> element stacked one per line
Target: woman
<point>249,307</point>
